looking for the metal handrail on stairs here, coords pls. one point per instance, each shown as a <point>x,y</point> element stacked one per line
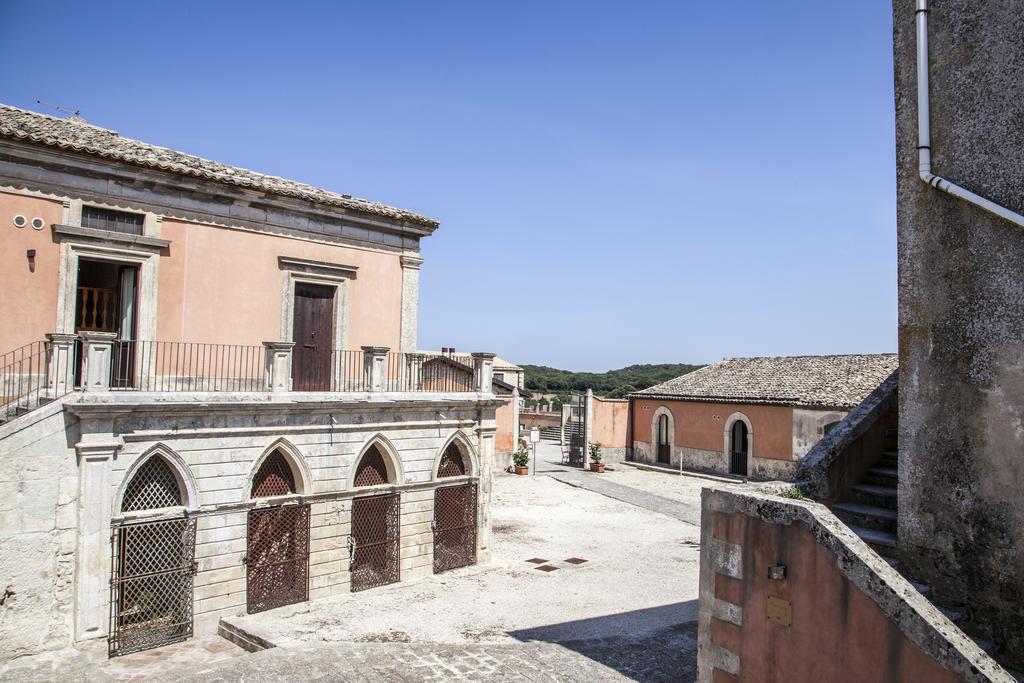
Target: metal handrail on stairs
<point>32,376</point>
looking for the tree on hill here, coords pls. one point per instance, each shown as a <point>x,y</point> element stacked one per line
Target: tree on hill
<point>613,384</point>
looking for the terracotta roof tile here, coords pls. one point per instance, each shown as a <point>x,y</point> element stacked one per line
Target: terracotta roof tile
<point>817,381</point>
<point>79,136</point>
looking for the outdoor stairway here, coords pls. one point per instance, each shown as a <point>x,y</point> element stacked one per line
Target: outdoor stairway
<point>551,434</point>
<point>871,511</point>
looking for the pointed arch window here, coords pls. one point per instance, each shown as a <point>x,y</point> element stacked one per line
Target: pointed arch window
<point>371,470</point>
<point>274,477</point>
<point>453,463</point>
<point>152,487</point>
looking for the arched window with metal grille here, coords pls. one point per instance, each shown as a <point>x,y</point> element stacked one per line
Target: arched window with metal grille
<point>273,478</point>
<point>152,487</point>
<point>371,470</point>
<point>453,463</point>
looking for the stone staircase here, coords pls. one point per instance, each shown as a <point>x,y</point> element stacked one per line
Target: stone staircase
<point>551,434</point>
<point>871,510</point>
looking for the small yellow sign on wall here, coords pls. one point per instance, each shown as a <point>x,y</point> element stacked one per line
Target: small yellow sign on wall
<point>780,611</point>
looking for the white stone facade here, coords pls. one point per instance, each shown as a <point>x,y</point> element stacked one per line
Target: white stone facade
<point>59,504</point>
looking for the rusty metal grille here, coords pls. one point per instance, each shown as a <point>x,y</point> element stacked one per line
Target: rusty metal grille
<point>274,478</point>
<point>371,470</point>
<point>153,486</point>
<point>452,464</point>
<point>374,543</point>
<point>152,567</point>
<point>454,527</point>
<point>277,559</point>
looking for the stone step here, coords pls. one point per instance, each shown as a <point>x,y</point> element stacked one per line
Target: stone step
<point>874,494</point>
<point>875,537</point>
<point>951,613</point>
<point>922,588</point>
<point>892,433</point>
<point>892,454</point>
<point>867,516</point>
<point>882,476</point>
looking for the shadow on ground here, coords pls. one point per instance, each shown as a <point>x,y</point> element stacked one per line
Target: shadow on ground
<point>637,644</point>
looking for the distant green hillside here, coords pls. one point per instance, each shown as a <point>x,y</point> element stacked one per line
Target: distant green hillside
<point>611,384</point>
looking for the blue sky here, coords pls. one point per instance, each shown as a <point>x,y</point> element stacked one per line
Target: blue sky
<point>617,183</point>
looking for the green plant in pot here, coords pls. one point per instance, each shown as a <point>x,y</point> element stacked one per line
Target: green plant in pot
<point>595,458</point>
<point>521,461</point>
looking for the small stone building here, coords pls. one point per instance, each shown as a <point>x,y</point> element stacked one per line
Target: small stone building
<point>750,416</point>
<point>211,400</point>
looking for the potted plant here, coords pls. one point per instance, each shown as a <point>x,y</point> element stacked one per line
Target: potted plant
<point>521,460</point>
<point>595,458</point>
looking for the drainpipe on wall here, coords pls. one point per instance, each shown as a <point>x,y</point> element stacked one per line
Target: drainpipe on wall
<point>924,150</point>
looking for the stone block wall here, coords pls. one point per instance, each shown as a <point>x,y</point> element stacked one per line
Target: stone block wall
<point>38,520</point>
<point>60,595</point>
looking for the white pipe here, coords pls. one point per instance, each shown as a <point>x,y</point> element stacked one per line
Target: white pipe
<point>924,136</point>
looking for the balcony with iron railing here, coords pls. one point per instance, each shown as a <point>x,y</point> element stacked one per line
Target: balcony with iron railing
<point>44,371</point>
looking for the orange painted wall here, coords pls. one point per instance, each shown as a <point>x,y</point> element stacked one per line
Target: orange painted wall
<point>28,307</point>
<point>696,426</point>
<point>611,422</point>
<point>504,438</point>
<point>837,633</point>
<point>224,286</point>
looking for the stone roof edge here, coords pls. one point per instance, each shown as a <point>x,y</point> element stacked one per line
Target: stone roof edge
<point>791,402</point>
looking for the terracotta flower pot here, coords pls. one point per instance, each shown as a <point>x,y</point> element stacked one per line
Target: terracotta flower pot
<point>597,467</point>
<point>521,470</point>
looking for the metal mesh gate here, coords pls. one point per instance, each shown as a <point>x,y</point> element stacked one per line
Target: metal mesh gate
<point>454,527</point>
<point>373,545</point>
<point>152,566</point>
<point>277,559</point>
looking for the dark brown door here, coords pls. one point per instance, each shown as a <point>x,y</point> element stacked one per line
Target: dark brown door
<point>454,527</point>
<point>277,558</point>
<point>739,448</point>
<point>664,445</point>
<point>312,334</point>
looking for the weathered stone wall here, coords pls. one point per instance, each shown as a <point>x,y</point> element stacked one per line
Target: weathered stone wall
<point>961,308</point>
<point>38,517</point>
<point>809,426</point>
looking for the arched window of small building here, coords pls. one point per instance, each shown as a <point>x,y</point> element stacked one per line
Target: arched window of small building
<point>274,477</point>
<point>453,464</point>
<point>371,470</point>
<point>152,487</point>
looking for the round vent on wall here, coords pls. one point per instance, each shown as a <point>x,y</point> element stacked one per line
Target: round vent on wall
<point>20,221</point>
<point>38,223</point>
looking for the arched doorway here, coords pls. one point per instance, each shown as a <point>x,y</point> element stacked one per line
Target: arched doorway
<point>455,511</point>
<point>738,448</point>
<point>664,440</point>
<point>153,563</point>
<point>277,547</point>
<point>374,542</point>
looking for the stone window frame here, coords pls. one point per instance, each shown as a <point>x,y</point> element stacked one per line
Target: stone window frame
<point>334,275</point>
<point>471,458</point>
<point>727,451</point>
<point>186,485</point>
<point>658,412</point>
<point>392,461</point>
<point>301,472</point>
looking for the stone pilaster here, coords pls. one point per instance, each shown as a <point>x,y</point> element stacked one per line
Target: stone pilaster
<point>411,263</point>
<point>96,451</point>
<point>374,366</point>
<point>483,371</point>
<point>588,433</point>
<point>413,371</point>
<point>60,361</point>
<point>97,351</point>
<point>279,366</point>
<point>486,431</point>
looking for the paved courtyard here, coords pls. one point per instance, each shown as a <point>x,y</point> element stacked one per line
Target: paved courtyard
<point>582,586</point>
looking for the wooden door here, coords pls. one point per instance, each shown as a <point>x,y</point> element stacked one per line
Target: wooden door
<point>313,335</point>
<point>739,448</point>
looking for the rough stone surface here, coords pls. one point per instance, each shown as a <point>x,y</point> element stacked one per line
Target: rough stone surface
<point>961,310</point>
